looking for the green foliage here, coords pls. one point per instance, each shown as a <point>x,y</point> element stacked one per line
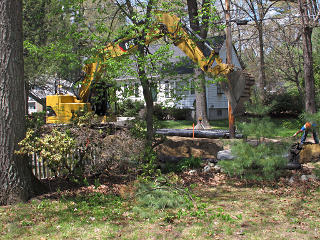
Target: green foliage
<point>162,112</point>
<point>52,40</point>
<point>256,107</point>
<point>265,161</point>
<point>260,160</point>
<point>84,117</point>
<point>285,103</point>
<point>55,149</point>
<point>257,127</point>
<point>307,117</point>
<point>179,113</point>
<point>129,108</point>
<point>184,164</point>
<point>156,196</point>
<point>148,160</point>
<point>36,120</point>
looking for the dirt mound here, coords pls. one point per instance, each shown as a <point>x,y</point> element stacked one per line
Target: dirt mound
<point>310,153</point>
<point>188,147</point>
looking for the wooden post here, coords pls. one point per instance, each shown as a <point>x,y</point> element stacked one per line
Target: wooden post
<point>229,61</point>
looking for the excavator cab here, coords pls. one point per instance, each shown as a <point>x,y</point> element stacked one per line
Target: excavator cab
<point>62,108</point>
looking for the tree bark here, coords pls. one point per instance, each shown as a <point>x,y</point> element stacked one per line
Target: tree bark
<point>262,68</point>
<point>201,100</point>
<point>147,93</point>
<point>15,176</point>
<point>310,104</point>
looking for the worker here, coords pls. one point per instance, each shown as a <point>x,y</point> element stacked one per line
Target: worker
<point>307,127</point>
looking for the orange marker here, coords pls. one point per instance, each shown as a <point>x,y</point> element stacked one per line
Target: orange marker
<point>193,130</point>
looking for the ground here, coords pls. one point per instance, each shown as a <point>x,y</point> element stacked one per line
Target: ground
<point>107,207</point>
<point>225,209</point>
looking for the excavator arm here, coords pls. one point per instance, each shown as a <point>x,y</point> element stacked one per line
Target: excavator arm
<point>165,24</point>
<point>171,26</point>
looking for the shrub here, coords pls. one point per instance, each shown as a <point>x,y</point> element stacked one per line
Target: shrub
<point>55,148</point>
<point>36,120</point>
<point>179,113</point>
<point>184,164</point>
<point>129,108</point>
<point>160,112</point>
<point>265,161</point>
<point>257,127</point>
<point>262,161</point>
<point>285,103</point>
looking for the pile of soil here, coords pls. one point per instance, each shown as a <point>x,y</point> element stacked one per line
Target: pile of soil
<point>182,147</point>
<point>310,153</point>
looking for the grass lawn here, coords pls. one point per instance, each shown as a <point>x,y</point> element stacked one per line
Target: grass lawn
<point>225,210</point>
<point>284,127</point>
<point>185,124</point>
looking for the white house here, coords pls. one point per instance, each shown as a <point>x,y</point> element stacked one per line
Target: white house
<point>34,106</point>
<point>217,102</point>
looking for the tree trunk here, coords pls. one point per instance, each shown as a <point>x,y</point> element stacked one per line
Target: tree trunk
<point>15,176</point>
<point>310,104</point>
<point>147,93</point>
<point>308,71</point>
<point>201,101</point>
<point>262,68</point>
<point>199,78</point>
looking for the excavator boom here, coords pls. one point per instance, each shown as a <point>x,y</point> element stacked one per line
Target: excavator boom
<point>165,24</point>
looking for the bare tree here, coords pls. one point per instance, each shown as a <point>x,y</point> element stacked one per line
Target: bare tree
<point>15,177</point>
<point>309,12</point>
<point>309,18</point>
<point>284,59</point>
<point>256,11</point>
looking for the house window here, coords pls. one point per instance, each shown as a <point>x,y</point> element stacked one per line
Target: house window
<point>31,105</point>
<point>219,89</point>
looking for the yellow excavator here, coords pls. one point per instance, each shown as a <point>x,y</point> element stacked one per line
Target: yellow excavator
<point>61,108</point>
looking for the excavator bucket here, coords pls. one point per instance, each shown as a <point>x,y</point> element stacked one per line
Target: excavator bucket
<point>237,88</point>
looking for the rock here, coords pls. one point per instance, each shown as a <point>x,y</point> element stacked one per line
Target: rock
<point>312,176</point>
<point>310,153</point>
<point>308,177</point>
<point>211,164</point>
<point>207,169</point>
<point>192,172</point>
<point>291,180</point>
<point>225,155</point>
<point>217,168</point>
